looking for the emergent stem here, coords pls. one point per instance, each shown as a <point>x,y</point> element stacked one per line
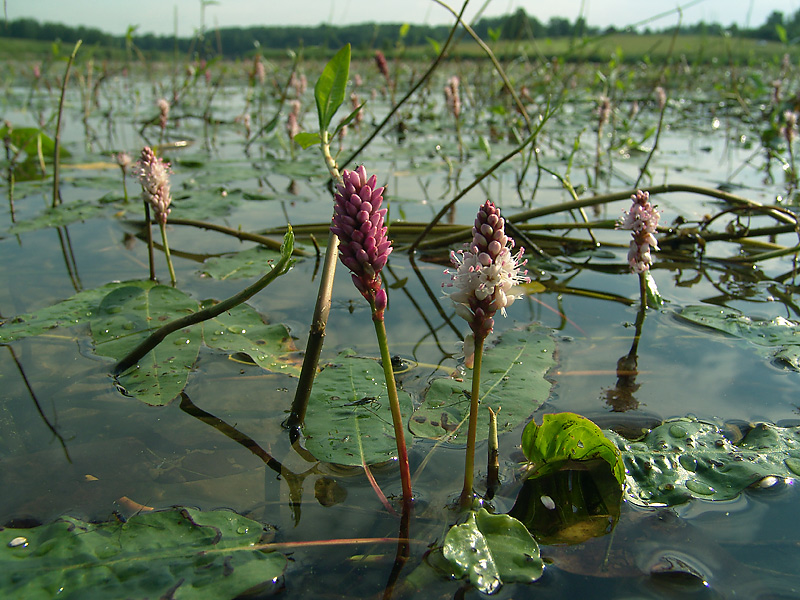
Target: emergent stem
<point>163,227</point>
<point>322,309</point>
<point>469,463</point>
<point>57,139</point>
<point>394,404</point>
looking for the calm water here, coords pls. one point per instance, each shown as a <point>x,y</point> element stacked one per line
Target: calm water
<point>110,453</point>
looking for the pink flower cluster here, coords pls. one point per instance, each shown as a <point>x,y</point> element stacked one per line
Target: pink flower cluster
<point>452,97</point>
<point>642,221</point>
<point>153,174</point>
<point>364,246</point>
<point>487,275</point>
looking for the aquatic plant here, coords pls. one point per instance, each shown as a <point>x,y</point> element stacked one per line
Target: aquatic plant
<point>364,248</point>
<point>153,174</point>
<point>485,281</point>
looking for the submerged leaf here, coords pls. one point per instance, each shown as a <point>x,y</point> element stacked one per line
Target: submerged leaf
<point>684,459</point>
<point>492,550</point>
<point>177,553</point>
<point>513,384</point>
<point>349,418</point>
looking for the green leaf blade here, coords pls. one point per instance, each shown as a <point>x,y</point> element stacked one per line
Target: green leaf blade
<point>492,550</point>
<point>513,383</point>
<point>329,91</point>
<point>349,418</point>
<point>180,553</point>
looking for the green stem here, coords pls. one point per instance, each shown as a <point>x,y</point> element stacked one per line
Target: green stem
<point>322,309</point>
<point>469,463</point>
<point>163,227</point>
<point>643,291</point>
<point>394,404</point>
<point>150,259</point>
<point>57,139</point>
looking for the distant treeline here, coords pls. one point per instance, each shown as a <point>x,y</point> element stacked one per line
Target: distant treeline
<point>239,41</point>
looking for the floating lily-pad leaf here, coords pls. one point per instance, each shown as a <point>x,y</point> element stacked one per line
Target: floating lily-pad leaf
<point>778,332</point>
<point>204,204</point>
<point>685,459</point>
<point>78,309</point>
<point>253,262</point>
<point>64,214</point>
<point>566,438</point>
<point>492,550</point>
<point>122,315</point>
<point>241,330</point>
<point>178,553</point>
<point>512,382</point>
<point>348,418</point>
<point>126,317</point>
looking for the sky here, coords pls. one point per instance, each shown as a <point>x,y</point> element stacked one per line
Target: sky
<point>158,16</point>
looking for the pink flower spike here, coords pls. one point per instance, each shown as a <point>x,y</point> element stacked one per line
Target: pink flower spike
<point>153,174</point>
<point>642,221</point>
<point>359,223</point>
<point>487,275</point>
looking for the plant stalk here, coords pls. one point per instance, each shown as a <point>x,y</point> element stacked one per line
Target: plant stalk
<point>469,463</point>
<point>394,404</point>
<point>163,228</point>
<point>319,321</point>
<point>57,139</point>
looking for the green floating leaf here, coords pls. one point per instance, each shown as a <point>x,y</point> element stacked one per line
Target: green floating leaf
<point>778,332</point>
<point>64,214</point>
<point>122,315</point>
<point>78,309</point>
<point>512,382</point>
<point>492,550</point>
<point>685,459</point>
<point>125,318</point>
<point>253,262</point>
<point>348,418</point>
<point>329,91</point>
<point>564,438</point>
<point>241,330</point>
<point>179,553</point>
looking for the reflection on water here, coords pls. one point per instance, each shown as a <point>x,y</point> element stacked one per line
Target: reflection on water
<point>70,443</point>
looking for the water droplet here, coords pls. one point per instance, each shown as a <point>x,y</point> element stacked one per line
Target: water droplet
<point>114,309</point>
<point>688,462</point>
<point>699,488</point>
<point>677,431</point>
<point>242,529</point>
<point>767,482</point>
<point>18,542</point>
<point>793,464</point>
<point>548,503</point>
<point>128,326</point>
